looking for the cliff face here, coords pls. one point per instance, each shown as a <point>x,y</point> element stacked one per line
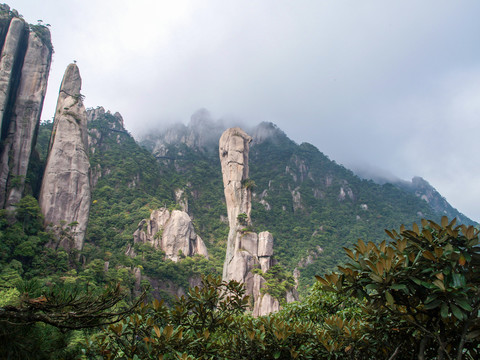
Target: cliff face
<point>24,68</point>
<point>65,193</point>
<point>246,250</point>
<point>99,112</point>
<point>201,134</point>
<point>172,232</point>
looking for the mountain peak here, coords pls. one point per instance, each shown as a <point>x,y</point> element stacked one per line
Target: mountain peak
<point>72,82</point>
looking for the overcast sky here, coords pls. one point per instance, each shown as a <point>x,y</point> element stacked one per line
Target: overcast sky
<point>385,85</point>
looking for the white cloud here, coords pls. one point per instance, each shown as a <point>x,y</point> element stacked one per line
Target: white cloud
<point>394,84</point>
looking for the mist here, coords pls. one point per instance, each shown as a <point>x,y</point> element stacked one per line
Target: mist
<point>392,85</point>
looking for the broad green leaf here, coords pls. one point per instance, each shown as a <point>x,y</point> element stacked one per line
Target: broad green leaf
<point>371,286</point>
<point>389,298</point>
<point>444,311</point>
<point>463,303</point>
<point>458,280</point>
<point>399,287</point>
<point>433,304</point>
<point>457,312</point>
<point>416,281</point>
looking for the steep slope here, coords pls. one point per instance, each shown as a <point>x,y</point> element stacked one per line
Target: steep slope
<point>129,186</point>
<point>422,189</point>
<point>126,179</point>
<point>312,205</point>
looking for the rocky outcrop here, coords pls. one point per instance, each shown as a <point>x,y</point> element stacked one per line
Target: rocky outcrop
<point>95,113</point>
<point>201,134</point>
<point>99,112</point>
<point>233,150</point>
<point>24,68</point>
<point>423,190</point>
<point>246,250</point>
<point>65,193</point>
<point>171,232</point>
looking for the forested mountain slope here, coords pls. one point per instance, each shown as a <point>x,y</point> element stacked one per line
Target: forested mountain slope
<point>312,205</point>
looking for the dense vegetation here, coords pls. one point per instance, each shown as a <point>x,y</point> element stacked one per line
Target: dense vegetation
<point>415,298</point>
<point>312,205</point>
<point>53,302</point>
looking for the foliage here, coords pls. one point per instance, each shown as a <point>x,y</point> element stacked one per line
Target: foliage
<point>242,219</point>
<point>248,184</point>
<point>278,282</point>
<point>196,327</point>
<point>36,322</point>
<point>186,329</point>
<point>128,188</point>
<point>298,198</point>
<point>65,307</point>
<point>423,289</point>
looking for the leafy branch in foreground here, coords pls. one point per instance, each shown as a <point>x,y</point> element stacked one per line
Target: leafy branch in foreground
<point>422,289</point>
<point>194,326</point>
<point>68,308</point>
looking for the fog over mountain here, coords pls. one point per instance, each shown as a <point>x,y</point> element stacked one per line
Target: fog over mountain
<point>389,85</point>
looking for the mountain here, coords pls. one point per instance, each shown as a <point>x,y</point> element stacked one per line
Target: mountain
<point>311,205</point>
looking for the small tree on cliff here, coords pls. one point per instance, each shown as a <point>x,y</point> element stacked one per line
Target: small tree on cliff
<point>422,289</point>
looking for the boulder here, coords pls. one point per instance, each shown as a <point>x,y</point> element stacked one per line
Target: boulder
<point>171,232</point>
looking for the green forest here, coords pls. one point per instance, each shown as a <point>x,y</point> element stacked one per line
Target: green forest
<point>365,293</point>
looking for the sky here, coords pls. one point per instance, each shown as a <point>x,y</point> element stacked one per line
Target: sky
<point>390,87</point>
